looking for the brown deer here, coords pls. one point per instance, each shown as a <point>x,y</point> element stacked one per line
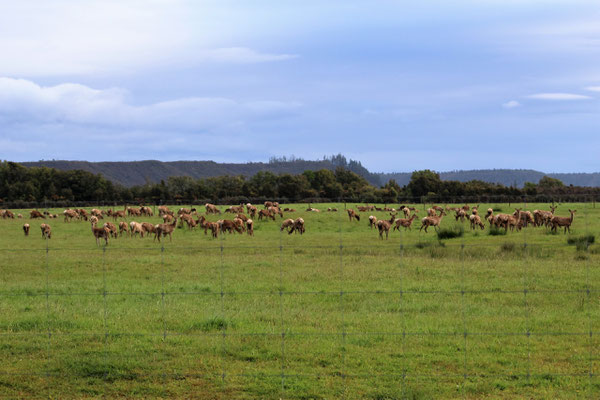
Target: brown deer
<point>287,224</point>
<point>83,213</point>
<point>229,226</point>
<point>265,214</point>
<point>117,214</point>
<point>372,221</point>
<point>384,226</point>
<point>214,228</point>
<point>475,220</point>
<point>26,229</point>
<point>352,214</point>
<point>426,222</point>
<point>299,225</point>
<point>250,227</point>
<point>405,222</point>
<point>252,211</point>
<point>462,214</point>
<point>112,229</point>
<point>36,214</point>
<point>541,217</point>
<point>276,211</point>
<point>100,233</point>
<point>123,227</point>
<point>563,221</point>
<point>46,231</point>
<point>148,228</point>
<point>513,220</point>
<point>135,228</point>
<point>164,230</point>
<point>70,214</point>
<point>211,209</point>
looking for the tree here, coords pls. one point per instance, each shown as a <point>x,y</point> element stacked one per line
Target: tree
<point>424,182</point>
<point>550,183</point>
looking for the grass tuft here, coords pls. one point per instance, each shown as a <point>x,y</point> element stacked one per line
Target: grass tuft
<point>210,325</point>
<point>450,233</point>
<point>582,243</point>
<point>495,231</point>
<point>507,247</point>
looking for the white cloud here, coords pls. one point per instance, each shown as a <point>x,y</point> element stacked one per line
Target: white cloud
<point>243,55</point>
<point>558,96</point>
<point>65,37</point>
<point>593,88</point>
<point>511,104</point>
<point>23,101</point>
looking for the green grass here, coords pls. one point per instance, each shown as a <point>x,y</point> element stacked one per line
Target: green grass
<point>340,312</point>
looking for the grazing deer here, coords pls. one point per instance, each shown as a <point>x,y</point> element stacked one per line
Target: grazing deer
<point>250,227</point>
<point>46,231</point>
<point>70,214</point>
<point>462,214</point>
<point>298,226</point>
<point>512,221</point>
<point>123,228</point>
<point>265,214</point>
<point>36,214</point>
<point>252,210</point>
<point>275,210</point>
<point>214,228</point>
<point>148,228</point>
<point>563,222</point>
<point>135,228</point>
<point>287,224</point>
<point>475,220</point>
<point>211,209</point>
<point>112,229</point>
<point>372,221</point>
<point>26,229</point>
<point>352,214</point>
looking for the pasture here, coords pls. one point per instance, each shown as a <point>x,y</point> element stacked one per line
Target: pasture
<point>333,313</point>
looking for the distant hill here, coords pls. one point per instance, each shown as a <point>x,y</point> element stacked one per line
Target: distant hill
<point>507,177</point>
<point>130,173</point>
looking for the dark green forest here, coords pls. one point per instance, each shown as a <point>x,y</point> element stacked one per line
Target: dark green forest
<point>21,184</point>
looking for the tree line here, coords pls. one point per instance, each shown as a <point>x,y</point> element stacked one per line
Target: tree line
<point>42,184</point>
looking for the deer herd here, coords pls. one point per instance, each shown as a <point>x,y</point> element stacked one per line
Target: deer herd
<point>515,221</point>
<point>242,223</point>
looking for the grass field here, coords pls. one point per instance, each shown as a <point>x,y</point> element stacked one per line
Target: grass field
<point>334,313</point>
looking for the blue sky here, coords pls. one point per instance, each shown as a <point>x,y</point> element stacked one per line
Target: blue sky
<point>399,86</point>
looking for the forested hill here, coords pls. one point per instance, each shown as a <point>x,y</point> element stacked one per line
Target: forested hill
<point>507,177</point>
<point>130,173</point>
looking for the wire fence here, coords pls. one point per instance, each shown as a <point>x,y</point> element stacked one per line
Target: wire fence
<point>333,317</point>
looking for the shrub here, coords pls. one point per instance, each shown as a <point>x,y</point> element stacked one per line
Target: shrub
<point>507,247</point>
<point>582,242</point>
<point>495,231</point>
<point>497,209</point>
<point>450,233</point>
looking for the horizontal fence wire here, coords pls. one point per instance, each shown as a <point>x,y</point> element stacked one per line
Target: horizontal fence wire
<point>284,333</point>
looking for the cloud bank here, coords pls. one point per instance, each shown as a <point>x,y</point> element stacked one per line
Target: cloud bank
<point>23,101</point>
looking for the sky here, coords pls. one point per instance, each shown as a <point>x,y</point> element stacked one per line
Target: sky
<point>397,85</point>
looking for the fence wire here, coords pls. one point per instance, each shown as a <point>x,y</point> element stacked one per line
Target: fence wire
<point>284,335</point>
